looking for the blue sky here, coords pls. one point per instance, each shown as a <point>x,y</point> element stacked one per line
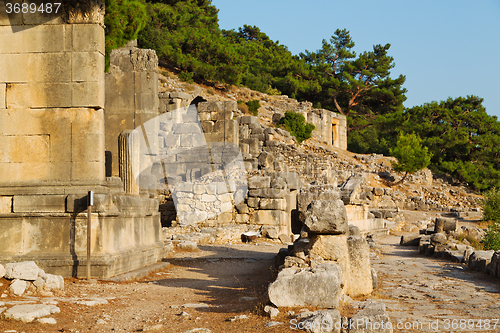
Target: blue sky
<point>446,48</point>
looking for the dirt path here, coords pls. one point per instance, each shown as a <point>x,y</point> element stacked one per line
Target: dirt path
<point>433,295</point>
<point>202,290</point>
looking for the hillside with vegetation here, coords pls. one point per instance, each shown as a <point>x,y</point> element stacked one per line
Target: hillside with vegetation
<point>461,138</point>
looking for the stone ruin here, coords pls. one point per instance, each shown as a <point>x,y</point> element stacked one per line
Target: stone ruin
<point>52,134</point>
<point>68,128</point>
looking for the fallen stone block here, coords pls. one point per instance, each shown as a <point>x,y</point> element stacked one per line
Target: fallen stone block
<point>319,286</point>
<point>410,240</point>
<point>29,312</point>
<point>372,318</point>
<point>2,271</point>
<point>321,321</point>
<point>18,287</point>
<point>326,217</point>
<point>27,270</point>
<point>479,259</point>
<point>443,224</point>
<point>438,239</point>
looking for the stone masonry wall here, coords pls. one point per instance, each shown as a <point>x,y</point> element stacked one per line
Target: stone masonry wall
<point>131,97</point>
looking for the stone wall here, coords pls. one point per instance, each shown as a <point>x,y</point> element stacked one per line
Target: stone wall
<point>131,97</point>
<point>52,148</point>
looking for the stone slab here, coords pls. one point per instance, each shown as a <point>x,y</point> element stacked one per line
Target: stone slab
<point>39,203</point>
<point>5,204</point>
<point>29,312</point>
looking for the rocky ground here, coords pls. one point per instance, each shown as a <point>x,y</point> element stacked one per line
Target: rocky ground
<point>222,288</point>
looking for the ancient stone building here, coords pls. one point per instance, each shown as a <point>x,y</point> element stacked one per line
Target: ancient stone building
<point>52,148</point>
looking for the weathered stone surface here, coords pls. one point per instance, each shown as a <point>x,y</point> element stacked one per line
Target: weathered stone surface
<point>443,224</point>
<point>53,282</point>
<point>360,269</point>
<point>2,271</point>
<point>271,311</point>
<point>319,286</point>
<point>410,240</point>
<point>316,192</point>
<point>27,270</point>
<point>18,287</point>
<point>27,313</point>
<point>326,217</point>
<point>438,239</point>
<point>332,248</point>
<point>270,232</point>
<point>352,189</point>
<point>266,160</point>
<point>270,217</point>
<point>371,317</point>
<point>321,321</point>
<point>479,259</point>
<point>258,182</point>
<point>272,204</point>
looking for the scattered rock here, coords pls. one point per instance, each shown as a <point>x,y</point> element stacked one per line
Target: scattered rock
<point>326,217</point>
<point>150,328</point>
<point>323,321</point>
<point>26,270</point>
<point>236,318</point>
<point>198,330</point>
<point>50,321</point>
<point>271,311</point>
<point>318,286</point>
<point>195,305</point>
<point>187,245</point>
<point>372,315</point>
<point>97,301</point>
<point>18,287</point>
<point>29,312</point>
<point>273,323</point>
<point>101,322</point>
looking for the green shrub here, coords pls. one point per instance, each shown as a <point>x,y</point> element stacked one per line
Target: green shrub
<point>124,20</point>
<point>491,212</point>
<point>491,206</point>
<point>253,106</point>
<point>186,77</point>
<point>492,239</point>
<point>295,123</point>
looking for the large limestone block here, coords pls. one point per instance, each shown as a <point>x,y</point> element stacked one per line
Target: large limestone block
<point>39,203</point>
<point>479,260</point>
<point>14,68</point>
<point>360,268</point>
<point>5,204</point>
<point>39,95</point>
<point>88,38</point>
<point>316,192</point>
<point>326,217</point>
<point>443,224</point>
<point>26,270</point>
<point>87,66</point>
<point>270,217</point>
<point>319,286</point>
<point>333,248</point>
<point>29,312</point>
